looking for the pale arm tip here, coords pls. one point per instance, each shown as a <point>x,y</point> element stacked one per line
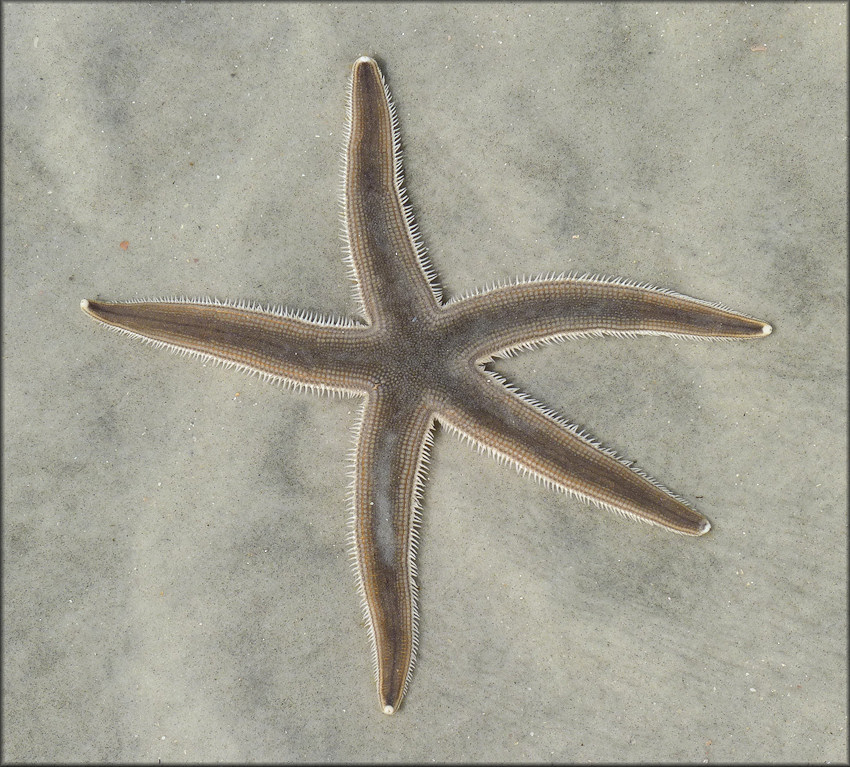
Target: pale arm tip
<point>389,709</point>
<point>84,305</point>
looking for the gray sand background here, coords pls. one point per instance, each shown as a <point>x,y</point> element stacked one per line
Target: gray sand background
<point>176,577</point>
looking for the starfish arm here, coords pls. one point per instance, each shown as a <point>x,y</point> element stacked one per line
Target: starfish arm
<point>291,349</point>
<point>503,422</point>
<point>392,275</point>
<point>528,313</point>
<point>390,460</point>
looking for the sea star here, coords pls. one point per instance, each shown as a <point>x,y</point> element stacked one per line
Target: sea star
<point>416,360</point>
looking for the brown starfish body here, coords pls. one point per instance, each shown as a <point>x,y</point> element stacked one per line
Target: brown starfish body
<point>416,360</point>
